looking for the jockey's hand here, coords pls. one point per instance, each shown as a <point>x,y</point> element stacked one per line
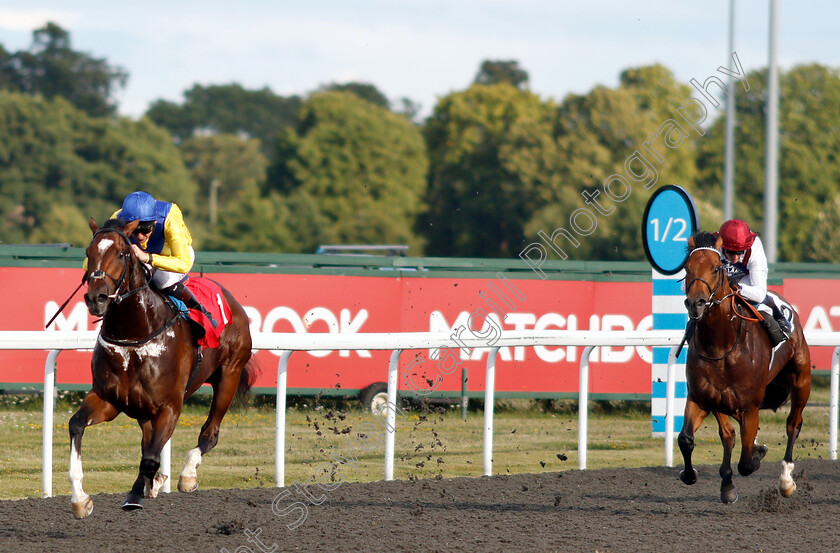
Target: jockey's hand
<point>141,255</point>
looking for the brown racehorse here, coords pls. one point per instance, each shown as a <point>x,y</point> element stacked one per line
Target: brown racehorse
<point>142,365</point>
<point>732,371</point>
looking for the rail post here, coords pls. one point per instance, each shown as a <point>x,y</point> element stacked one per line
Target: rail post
<point>391,418</point>
<point>833,405</point>
<point>670,392</point>
<point>166,466</point>
<point>464,400</point>
<point>489,392</point>
<point>583,406</point>
<point>280,420</point>
<point>49,412</point>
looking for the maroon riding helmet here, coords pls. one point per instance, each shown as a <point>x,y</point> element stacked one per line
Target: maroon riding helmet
<point>736,235</point>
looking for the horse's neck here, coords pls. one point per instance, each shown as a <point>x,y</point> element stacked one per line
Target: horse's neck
<point>138,312</point>
<point>720,325</point>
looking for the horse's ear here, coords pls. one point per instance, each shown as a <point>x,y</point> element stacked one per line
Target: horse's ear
<point>130,226</point>
<point>691,243</point>
<point>719,243</point>
<point>93,226</point>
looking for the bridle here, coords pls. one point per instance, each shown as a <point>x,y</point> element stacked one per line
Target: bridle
<point>711,302</point>
<point>127,259</point>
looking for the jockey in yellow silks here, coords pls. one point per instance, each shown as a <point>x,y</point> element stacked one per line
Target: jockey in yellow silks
<point>163,242</point>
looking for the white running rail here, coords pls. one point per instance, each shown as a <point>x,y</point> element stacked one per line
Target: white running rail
<point>56,341</point>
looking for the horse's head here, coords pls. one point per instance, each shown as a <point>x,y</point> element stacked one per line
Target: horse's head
<point>109,258</point>
<point>705,278</point>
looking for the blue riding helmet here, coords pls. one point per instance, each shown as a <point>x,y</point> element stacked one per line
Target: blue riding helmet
<point>139,205</point>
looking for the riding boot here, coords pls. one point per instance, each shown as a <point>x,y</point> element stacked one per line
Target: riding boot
<point>770,302</point>
<point>774,330</point>
<point>184,294</point>
<point>780,319</point>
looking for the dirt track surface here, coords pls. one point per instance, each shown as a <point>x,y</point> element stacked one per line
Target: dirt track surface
<point>617,510</point>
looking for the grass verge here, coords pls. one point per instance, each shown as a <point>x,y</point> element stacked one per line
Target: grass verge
<point>528,437</point>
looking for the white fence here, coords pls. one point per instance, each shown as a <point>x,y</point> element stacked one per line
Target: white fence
<point>55,342</point>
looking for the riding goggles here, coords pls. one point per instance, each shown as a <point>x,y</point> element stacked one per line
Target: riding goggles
<point>732,253</point>
<point>144,228</point>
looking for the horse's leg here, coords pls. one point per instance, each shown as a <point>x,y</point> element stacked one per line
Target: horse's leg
<point>750,454</point>
<point>93,410</point>
<point>223,391</point>
<point>800,392</point>
<point>692,420</point>
<point>727,438</point>
<point>156,432</point>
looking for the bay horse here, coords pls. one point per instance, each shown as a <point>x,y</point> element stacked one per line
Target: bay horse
<point>732,371</point>
<point>143,362</point>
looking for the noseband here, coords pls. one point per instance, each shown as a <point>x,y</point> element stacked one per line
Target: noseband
<point>711,302</point>
<point>126,257</point>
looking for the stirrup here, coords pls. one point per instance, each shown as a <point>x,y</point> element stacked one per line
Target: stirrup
<point>785,328</point>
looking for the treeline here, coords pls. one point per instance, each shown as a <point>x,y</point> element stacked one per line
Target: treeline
<point>492,166</point>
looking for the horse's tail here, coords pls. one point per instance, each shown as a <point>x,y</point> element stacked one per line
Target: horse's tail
<point>248,376</point>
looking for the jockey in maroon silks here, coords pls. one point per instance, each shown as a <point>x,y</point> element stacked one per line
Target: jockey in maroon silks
<point>746,267</point>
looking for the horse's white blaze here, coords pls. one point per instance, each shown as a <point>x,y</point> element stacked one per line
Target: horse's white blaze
<point>193,460</point>
<point>786,484</point>
<point>75,475</point>
<point>104,244</point>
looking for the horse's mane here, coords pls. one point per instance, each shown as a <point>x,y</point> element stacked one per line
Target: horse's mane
<point>114,223</point>
<point>704,239</point>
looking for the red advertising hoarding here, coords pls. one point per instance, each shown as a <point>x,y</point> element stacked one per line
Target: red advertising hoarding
<point>404,301</point>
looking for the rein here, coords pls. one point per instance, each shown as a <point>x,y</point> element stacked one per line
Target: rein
<point>118,298</point>
<point>713,302</point>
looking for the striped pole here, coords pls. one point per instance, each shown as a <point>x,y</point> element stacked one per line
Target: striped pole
<point>669,313</point>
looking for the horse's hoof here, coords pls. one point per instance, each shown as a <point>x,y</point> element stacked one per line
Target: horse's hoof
<point>728,495</point>
<point>689,478</point>
<point>157,484</point>
<point>759,452</point>
<point>787,492</point>
<point>82,508</point>
<point>786,484</point>
<point>187,484</point>
<point>132,502</point>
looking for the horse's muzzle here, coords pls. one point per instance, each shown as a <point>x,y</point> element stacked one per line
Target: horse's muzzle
<point>97,303</point>
<point>696,307</point>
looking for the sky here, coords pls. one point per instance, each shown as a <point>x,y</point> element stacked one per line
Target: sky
<point>420,50</point>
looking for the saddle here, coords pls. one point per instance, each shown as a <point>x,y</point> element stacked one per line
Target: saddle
<point>209,294</point>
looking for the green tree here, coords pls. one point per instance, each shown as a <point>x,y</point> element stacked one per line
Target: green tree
<point>597,133</point>
<point>222,164</point>
<point>362,167</point>
<point>274,222</point>
<point>493,163</point>
<point>365,91</point>
<point>228,109</point>
<point>52,68</point>
<point>809,175</point>
<point>53,156</point>
<point>497,72</point>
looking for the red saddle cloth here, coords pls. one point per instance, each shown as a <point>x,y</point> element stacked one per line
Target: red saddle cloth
<point>209,294</point>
